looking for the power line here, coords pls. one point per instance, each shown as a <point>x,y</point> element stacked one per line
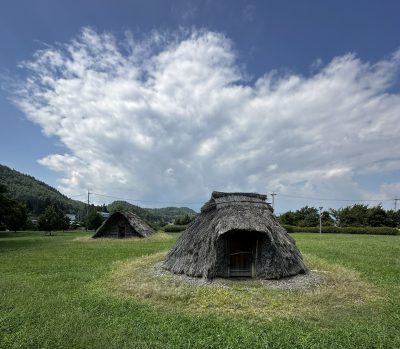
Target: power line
<point>149,201</point>
<point>74,196</point>
<point>331,199</point>
<point>273,194</point>
<point>320,219</point>
<point>87,208</point>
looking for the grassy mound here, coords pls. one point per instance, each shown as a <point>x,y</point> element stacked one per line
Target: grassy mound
<point>337,289</point>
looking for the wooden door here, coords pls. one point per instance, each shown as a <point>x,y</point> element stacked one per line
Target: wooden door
<point>241,249</point>
<point>121,232</point>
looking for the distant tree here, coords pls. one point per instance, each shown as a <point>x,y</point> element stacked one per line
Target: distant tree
<point>392,218</point>
<point>118,206</point>
<point>354,216</point>
<point>376,217</point>
<point>288,218</point>
<point>155,225</point>
<point>307,217</point>
<point>326,219</point>
<point>357,215</point>
<point>334,213</point>
<point>186,219</point>
<point>13,214</point>
<point>52,219</point>
<point>66,223</point>
<point>16,216</point>
<point>4,205</point>
<point>94,220</point>
<point>29,224</point>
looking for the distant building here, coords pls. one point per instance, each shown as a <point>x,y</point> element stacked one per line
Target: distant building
<point>71,217</point>
<point>105,215</point>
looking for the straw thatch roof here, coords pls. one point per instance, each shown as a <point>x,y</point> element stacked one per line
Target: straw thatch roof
<point>203,248</point>
<point>123,222</point>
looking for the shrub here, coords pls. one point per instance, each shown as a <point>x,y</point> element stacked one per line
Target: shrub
<point>173,228</point>
<point>94,220</point>
<point>52,219</point>
<point>346,230</point>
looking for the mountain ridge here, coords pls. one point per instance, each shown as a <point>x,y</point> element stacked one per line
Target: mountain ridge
<point>37,195</point>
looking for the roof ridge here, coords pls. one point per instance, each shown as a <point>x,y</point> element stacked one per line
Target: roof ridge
<point>220,194</point>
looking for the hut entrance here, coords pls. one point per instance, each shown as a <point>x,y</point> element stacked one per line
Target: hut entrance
<point>121,232</point>
<point>242,247</point>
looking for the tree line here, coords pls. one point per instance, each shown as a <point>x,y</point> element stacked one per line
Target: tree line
<point>14,215</point>
<point>36,196</point>
<point>22,196</point>
<point>358,215</point>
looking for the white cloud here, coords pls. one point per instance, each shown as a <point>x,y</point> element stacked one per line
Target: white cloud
<point>170,118</point>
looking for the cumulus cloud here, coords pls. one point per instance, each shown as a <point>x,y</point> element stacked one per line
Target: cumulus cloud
<point>172,117</point>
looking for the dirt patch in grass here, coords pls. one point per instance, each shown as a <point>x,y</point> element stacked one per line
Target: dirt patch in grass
<point>327,288</point>
<point>301,281</point>
<point>160,236</point>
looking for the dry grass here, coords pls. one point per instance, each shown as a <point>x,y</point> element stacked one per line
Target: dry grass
<point>338,289</point>
<point>159,236</point>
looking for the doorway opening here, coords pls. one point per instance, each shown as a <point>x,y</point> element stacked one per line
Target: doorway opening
<point>241,253</point>
<point>121,232</point>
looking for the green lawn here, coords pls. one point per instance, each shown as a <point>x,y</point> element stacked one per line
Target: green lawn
<point>51,296</point>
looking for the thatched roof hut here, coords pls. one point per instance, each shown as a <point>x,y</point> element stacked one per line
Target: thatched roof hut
<point>123,225</point>
<point>236,234</point>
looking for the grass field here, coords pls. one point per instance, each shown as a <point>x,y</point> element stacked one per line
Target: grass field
<point>54,294</point>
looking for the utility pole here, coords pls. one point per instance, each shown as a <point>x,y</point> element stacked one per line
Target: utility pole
<point>87,208</point>
<point>273,199</point>
<point>320,219</point>
<point>395,203</point>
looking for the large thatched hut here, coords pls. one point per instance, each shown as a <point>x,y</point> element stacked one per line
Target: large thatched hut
<point>236,234</point>
<point>123,225</point>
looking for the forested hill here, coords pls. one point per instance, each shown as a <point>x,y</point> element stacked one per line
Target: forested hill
<point>35,194</point>
<point>165,214</point>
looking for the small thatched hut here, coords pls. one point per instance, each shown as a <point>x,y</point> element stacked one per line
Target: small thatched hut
<point>236,234</point>
<point>123,225</point>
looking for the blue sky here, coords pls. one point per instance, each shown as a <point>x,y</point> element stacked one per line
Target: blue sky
<point>226,95</point>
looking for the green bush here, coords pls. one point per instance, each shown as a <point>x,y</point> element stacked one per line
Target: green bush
<point>173,228</point>
<point>346,230</point>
